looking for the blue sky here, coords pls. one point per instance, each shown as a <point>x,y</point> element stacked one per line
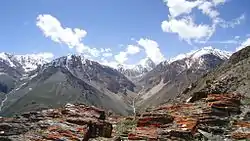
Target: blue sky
<point>126,30</point>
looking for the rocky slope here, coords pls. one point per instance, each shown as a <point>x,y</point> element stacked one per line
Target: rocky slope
<point>14,67</point>
<point>214,117</point>
<point>233,76</point>
<point>72,122</point>
<point>71,79</point>
<point>168,79</point>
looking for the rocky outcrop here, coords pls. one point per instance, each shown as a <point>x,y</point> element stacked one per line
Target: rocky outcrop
<point>73,122</point>
<point>231,77</point>
<point>214,117</point>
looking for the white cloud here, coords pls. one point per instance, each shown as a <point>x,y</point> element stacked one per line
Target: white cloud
<point>207,9</point>
<point>179,7</point>
<point>105,50</point>
<point>45,55</point>
<point>52,28</point>
<point>123,55</point>
<point>107,54</point>
<point>244,44</point>
<point>152,49</point>
<point>220,42</point>
<point>233,23</point>
<point>112,64</point>
<point>217,2</point>
<point>181,23</point>
<point>236,37</point>
<point>72,37</point>
<point>132,49</point>
<point>186,28</point>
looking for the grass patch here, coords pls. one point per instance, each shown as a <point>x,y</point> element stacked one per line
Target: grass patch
<point>125,126</point>
<point>245,101</point>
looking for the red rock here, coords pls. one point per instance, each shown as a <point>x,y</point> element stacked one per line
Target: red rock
<point>53,128</point>
<point>241,135</point>
<point>242,124</point>
<point>187,123</point>
<point>144,133</point>
<point>53,136</point>
<point>154,120</point>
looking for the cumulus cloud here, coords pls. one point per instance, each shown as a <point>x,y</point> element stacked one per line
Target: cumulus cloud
<point>186,28</point>
<point>123,55</point>
<point>132,49</point>
<point>208,9</point>
<point>112,64</point>
<point>181,23</point>
<point>51,27</point>
<point>45,55</point>
<point>217,2</point>
<point>107,54</point>
<point>105,50</point>
<point>244,44</point>
<point>72,37</point>
<point>179,7</point>
<point>151,49</point>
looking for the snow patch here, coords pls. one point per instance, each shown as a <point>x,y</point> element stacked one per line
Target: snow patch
<point>7,58</point>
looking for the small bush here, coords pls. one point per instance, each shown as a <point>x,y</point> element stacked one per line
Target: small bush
<point>125,126</point>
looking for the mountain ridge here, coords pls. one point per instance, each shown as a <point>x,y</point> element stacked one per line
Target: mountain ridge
<point>167,80</point>
<point>107,82</point>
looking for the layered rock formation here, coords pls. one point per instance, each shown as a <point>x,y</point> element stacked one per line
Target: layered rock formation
<point>214,117</point>
<point>73,122</point>
<point>210,116</point>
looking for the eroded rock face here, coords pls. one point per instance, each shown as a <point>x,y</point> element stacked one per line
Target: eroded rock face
<point>213,116</point>
<point>73,122</point>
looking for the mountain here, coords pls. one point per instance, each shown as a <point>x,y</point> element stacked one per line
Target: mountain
<point>14,68</point>
<point>169,78</point>
<point>23,63</point>
<point>72,79</point>
<point>136,72</point>
<point>31,62</point>
<point>233,76</point>
<point>76,79</point>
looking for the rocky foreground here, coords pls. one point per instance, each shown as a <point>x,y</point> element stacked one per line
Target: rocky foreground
<point>203,116</point>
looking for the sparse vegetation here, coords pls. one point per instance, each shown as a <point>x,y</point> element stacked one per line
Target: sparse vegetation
<point>125,126</point>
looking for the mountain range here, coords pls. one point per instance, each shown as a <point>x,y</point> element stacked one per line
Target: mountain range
<point>34,83</point>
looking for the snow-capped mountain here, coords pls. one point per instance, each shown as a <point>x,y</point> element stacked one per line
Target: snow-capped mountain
<point>90,71</point>
<point>24,63</point>
<point>196,54</point>
<point>169,78</point>
<point>73,79</point>
<point>31,62</point>
<point>9,60</point>
<point>137,71</point>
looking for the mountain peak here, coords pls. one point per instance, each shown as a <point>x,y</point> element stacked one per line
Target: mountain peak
<point>30,62</point>
<point>210,50</point>
<point>134,71</point>
<point>7,58</point>
<point>195,54</point>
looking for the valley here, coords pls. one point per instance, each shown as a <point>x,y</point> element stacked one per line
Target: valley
<point>92,83</point>
<point>202,94</point>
